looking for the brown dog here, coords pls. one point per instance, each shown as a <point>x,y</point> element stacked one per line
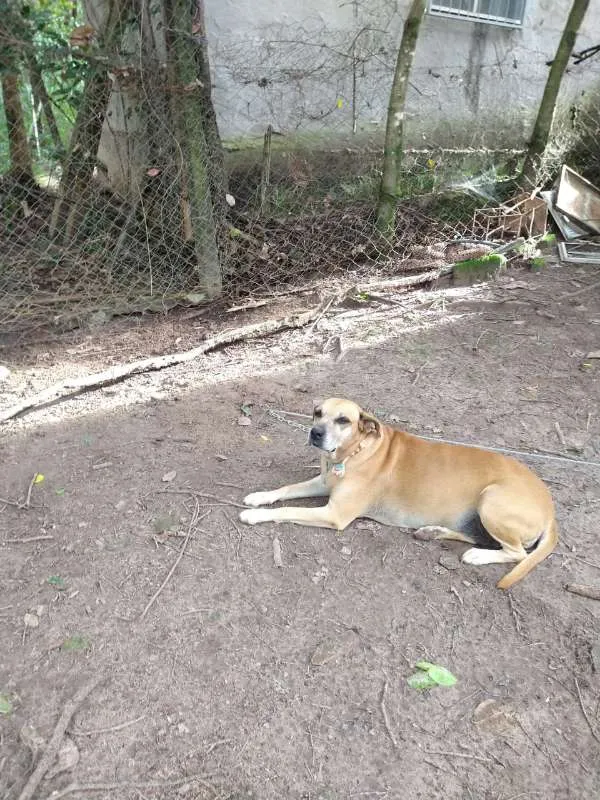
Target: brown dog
<point>371,470</point>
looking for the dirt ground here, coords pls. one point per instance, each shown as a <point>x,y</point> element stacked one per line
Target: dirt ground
<point>248,680</point>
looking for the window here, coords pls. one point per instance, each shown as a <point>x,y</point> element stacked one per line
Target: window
<point>509,13</point>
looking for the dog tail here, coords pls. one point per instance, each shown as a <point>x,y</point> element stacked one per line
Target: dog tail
<point>545,546</point>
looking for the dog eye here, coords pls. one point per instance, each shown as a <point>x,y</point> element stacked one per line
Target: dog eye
<point>317,413</point>
<point>343,421</point>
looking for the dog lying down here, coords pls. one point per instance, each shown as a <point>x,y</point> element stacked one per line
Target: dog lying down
<point>369,469</point>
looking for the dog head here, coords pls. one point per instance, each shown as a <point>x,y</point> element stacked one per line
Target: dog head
<point>337,424</point>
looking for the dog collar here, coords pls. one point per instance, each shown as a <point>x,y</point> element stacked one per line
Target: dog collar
<point>338,469</point>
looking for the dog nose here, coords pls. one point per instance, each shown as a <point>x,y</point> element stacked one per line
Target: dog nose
<point>316,435</point>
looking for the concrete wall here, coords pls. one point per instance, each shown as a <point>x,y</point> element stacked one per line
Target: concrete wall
<point>323,68</point>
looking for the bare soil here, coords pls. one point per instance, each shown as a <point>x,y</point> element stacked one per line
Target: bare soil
<point>248,680</point>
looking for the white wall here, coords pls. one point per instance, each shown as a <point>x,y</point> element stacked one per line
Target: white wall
<point>289,63</point>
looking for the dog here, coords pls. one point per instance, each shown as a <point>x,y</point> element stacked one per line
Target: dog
<point>467,494</point>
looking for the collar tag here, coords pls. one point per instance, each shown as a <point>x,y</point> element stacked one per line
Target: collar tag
<point>338,470</point>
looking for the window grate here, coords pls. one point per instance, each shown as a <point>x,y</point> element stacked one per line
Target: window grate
<point>509,13</point>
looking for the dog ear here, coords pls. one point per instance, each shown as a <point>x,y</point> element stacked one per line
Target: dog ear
<point>367,423</point>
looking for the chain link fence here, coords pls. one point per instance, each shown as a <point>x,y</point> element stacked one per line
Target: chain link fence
<point>119,197</point>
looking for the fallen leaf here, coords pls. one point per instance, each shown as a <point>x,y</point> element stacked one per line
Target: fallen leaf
<point>60,491</point>
<point>264,438</point>
<point>449,560</point>
<point>494,716</point>
<point>168,476</point>
<point>246,409</point>
<point>32,740</point>
<point>594,354</point>
<point>68,757</point>
<point>76,642</point>
<point>431,675</point>
<point>57,582</point>
<point>244,421</point>
<point>6,705</point>
<point>421,681</point>
<point>165,523</point>
<point>38,477</point>
<point>31,620</point>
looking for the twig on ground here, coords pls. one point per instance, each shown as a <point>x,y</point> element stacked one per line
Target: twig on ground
<point>312,745</point>
<point>472,756</point>
<point>577,558</point>
<point>225,501</point>
<point>77,788</point>
<point>475,347</point>
<point>61,391</point>
<point>182,549</point>
<point>53,746</point>
<point>98,731</point>
<point>27,539</point>
<point>516,614</point>
<point>238,531</point>
<point>162,543</point>
<point>417,373</point>
<point>29,490</point>
<point>384,714</point>
<point>454,591</point>
<point>290,413</point>
<point>584,712</point>
<point>277,560</point>
<point>410,280</point>
<point>214,746</point>
<point>593,592</point>
<point>230,485</point>
<point>323,311</point>
<point>583,290</point>
<point>249,306</point>
<point>559,433</point>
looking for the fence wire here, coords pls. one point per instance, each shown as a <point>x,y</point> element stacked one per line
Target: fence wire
<point>119,197</point>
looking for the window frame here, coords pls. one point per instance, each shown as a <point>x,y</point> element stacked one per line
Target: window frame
<point>436,9</point>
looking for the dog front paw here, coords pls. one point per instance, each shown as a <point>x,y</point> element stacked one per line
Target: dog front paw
<point>252,516</point>
<point>257,499</point>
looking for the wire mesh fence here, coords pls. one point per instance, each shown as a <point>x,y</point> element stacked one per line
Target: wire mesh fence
<point>118,195</point>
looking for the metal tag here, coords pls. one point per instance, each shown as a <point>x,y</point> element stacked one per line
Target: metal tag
<point>338,470</point>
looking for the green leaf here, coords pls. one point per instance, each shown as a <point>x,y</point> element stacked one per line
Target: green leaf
<point>421,681</point>
<point>60,491</point>
<point>75,642</point>
<point>57,582</point>
<point>430,675</point>
<point>166,523</point>
<point>6,705</point>
<point>246,409</point>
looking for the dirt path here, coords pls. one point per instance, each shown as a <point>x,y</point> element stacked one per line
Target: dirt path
<point>216,680</point>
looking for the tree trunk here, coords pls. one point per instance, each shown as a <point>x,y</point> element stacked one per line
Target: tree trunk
<point>21,165</point>
<point>217,174</point>
<point>81,159</point>
<point>543,124</point>
<point>40,93</point>
<point>85,138</point>
<point>394,133</point>
<point>189,122</point>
